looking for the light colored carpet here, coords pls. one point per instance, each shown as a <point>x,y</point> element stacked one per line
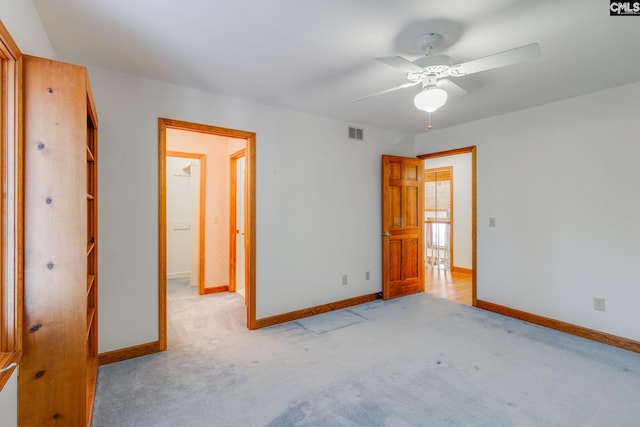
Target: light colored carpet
<point>415,361</point>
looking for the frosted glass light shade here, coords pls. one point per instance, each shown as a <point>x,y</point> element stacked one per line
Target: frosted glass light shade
<point>430,99</point>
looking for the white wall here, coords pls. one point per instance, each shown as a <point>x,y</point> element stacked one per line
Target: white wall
<point>23,23</point>
<point>562,182</point>
<point>9,402</point>
<point>179,217</point>
<point>21,18</point>
<point>318,201</point>
<point>462,206</point>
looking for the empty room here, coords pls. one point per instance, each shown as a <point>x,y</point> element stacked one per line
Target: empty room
<point>319,213</point>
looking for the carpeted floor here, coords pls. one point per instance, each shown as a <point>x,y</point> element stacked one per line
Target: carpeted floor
<point>415,361</point>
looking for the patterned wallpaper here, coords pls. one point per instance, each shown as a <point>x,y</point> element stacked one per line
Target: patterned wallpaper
<point>216,150</point>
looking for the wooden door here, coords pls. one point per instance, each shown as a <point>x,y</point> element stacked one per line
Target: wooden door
<point>402,240</point>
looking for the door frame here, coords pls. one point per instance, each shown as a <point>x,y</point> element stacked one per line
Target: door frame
<point>250,215</point>
<point>233,161</point>
<point>474,233</point>
<point>201,214</point>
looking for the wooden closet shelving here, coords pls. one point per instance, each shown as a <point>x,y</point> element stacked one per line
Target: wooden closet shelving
<point>58,370</point>
<point>92,252</point>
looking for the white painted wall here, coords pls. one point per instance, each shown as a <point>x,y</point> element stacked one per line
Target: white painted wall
<point>462,206</point>
<point>21,18</point>
<point>318,201</point>
<point>9,402</point>
<point>23,23</point>
<point>179,217</point>
<point>562,182</point>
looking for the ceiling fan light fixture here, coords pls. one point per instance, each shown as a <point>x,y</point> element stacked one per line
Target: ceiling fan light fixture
<point>430,99</point>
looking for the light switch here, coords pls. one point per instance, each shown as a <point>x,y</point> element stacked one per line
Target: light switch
<point>492,222</point>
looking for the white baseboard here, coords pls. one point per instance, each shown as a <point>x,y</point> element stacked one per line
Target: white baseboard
<point>178,275</point>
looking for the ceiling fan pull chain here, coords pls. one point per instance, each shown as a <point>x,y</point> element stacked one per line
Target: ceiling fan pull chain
<point>429,123</point>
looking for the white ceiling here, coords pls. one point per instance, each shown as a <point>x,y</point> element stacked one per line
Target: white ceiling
<point>316,55</point>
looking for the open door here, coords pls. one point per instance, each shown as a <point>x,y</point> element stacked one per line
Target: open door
<point>402,240</point>
<point>237,219</point>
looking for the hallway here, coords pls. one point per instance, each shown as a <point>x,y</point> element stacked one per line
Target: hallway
<point>193,318</point>
<point>445,284</point>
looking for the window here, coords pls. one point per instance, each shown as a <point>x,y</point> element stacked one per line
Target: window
<point>438,235</point>
<point>438,216</point>
<point>10,206</point>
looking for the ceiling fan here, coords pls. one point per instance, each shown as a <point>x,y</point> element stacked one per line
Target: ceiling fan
<point>434,71</point>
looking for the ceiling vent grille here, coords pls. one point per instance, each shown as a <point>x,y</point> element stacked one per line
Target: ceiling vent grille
<point>356,133</point>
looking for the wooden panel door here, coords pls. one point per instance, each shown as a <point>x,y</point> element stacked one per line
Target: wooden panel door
<point>402,240</point>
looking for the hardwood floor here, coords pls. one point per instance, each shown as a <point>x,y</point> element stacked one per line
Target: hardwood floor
<point>445,284</point>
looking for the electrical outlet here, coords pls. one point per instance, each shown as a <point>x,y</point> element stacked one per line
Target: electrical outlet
<point>367,275</point>
<point>598,304</point>
<point>492,222</point>
<point>345,280</point>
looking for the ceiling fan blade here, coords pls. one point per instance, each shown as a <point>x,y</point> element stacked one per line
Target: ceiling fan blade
<point>400,63</point>
<point>502,59</point>
<point>451,87</point>
<point>393,89</point>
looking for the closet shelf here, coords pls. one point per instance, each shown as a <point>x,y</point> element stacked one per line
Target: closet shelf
<point>91,314</point>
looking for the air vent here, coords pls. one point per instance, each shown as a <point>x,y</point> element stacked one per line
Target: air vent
<point>355,133</point>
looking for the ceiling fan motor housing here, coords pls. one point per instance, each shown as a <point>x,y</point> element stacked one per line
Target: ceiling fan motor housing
<point>427,41</point>
<point>434,64</point>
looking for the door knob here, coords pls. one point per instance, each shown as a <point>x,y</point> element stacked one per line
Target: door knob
<point>387,234</point>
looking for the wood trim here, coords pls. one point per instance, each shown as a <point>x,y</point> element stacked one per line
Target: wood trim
<point>7,359</point>
<point>474,230</point>
<point>208,129</point>
<point>446,153</point>
<point>129,353</point>
<point>250,230</point>
<point>7,45</point>
<point>559,325</point>
<point>216,289</point>
<point>201,223</point>
<point>232,224</point>
<point>250,214</point>
<point>91,109</point>
<point>12,205</point>
<point>474,217</point>
<point>162,235</point>
<point>461,270</point>
<point>318,309</point>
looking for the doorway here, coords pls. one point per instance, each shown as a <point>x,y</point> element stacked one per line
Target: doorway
<point>237,240</point>
<point>248,141</point>
<point>450,204</point>
<point>185,189</point>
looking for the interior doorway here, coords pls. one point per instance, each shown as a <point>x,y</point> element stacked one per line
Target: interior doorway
<point>450,204</point>
<point>185,189</point>
<point>236,139</point>
<point>438,217</point>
